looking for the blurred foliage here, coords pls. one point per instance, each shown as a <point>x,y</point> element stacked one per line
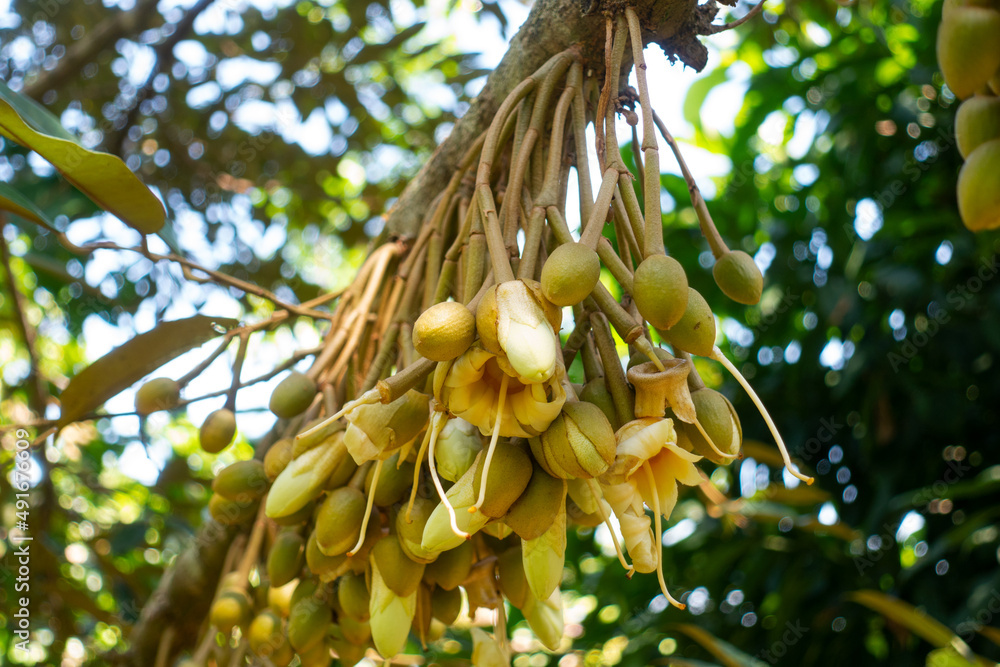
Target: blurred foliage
<point>872,347</point>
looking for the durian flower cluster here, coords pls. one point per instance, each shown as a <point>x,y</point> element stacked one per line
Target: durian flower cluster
<point>430,482</point>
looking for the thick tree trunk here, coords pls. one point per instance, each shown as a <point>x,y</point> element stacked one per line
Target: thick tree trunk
<point>551,27</point>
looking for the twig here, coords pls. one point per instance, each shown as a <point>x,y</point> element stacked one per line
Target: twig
<point>36,394</point>
<point>715,29</point>
<point>217,276</point>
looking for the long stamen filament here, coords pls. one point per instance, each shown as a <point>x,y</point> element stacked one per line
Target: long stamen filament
<point>711,444</point>
<point>595,490</point>
<point>659,535</point>
<point>493,446</point>
<point>368,508</point>
<point>721,358</point>
<point>416,469</point>
<point>370,397</point>
<point>436,427</point>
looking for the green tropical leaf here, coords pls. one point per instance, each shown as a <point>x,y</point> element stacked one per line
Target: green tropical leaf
<point>13,201</point>
<point>917,621</point>
<point>103,177</point>
<point>129,363</point>
<point>724,652</point>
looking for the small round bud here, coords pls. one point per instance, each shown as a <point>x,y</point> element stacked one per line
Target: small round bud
<point>217,431</point>
<point>157,394</point>
<point>570,274</point>
<point>660,290</point>
<point>292,395</point>
<point>444,331</point>
<point>738,277</point>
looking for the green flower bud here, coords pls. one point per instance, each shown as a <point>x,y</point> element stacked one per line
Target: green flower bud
<point>513,582</point>
<point>394,482</point>
<point>451,568</point>
<point>719,419</point>
<point>738,277</point>
<point>308,623</point>
<point>232,512</point>
<point>446,605</point>
<point>544,557</point>
<point>243,480</point>
<point>284,560</point>
<point>535,510</point>
<point>486,651</point>
<point>694,333</point>
<point>579,443</point>
<point>338,521</point>
<point>157,394</point>
<point>302,480</point>
<point>353,596</point>
<point>230,609</point>
<point>399,573</point>
<point>457,446</point>
<point>217,431</point>
<point>510,470</point>
<point>292,395</point>
<point>410,534</point>
<point>545,617</point>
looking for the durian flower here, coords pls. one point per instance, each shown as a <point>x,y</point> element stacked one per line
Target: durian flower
<point>470,388</point>
<point>652,442</point>
<point>648,466</point>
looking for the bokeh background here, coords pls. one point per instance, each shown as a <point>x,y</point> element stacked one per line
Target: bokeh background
<point>278,132</point>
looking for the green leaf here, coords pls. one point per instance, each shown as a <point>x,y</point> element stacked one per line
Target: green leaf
<point>13,201</point>
<point>132,361</point>
<point>101,176</point>
<point>724,652</point>
<point>918,622</point>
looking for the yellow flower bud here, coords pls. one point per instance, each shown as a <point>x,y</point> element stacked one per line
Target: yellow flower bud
<point>374,431</point>
<point>302,480</point>
<point>391,616</point>
<point>515,320</point>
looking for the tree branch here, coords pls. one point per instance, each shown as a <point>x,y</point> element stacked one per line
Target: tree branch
<point>551,27</point>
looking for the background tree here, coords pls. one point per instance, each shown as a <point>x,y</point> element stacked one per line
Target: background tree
<point>872,346</point>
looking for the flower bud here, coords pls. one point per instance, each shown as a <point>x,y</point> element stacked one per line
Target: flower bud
<point>230,609</point>
<point>292,395</point>
<point>217,431</point>
<point>444,331</point>
<point>375,430</point>
<point>579,443</point>
<point>400,574</point>
<point>338,521</point>
<point>545,618</point>
<point>232,512</point>
<point>694,333</point>
<point>515,320</point>
<point>535,510</point>
<point>457,447</point>
<point>446,605</point>
<point>722,424</point>
<point>394,481</point>
<point>307,624</point>
<point>513,581</point>
<point>302,480</point>
<point>353,596</point>
<point>242,480</point>
<point>738,277</point>
<point>157,394</point>
<point>451,568</point>
<point>544,557</point>
<point>278,456</point>
<point>284,560</point>
<point>410,534</point>
<point>510,471</point>
<point>486,651</point>
<point>391,616</point>
<point>438,534</point>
